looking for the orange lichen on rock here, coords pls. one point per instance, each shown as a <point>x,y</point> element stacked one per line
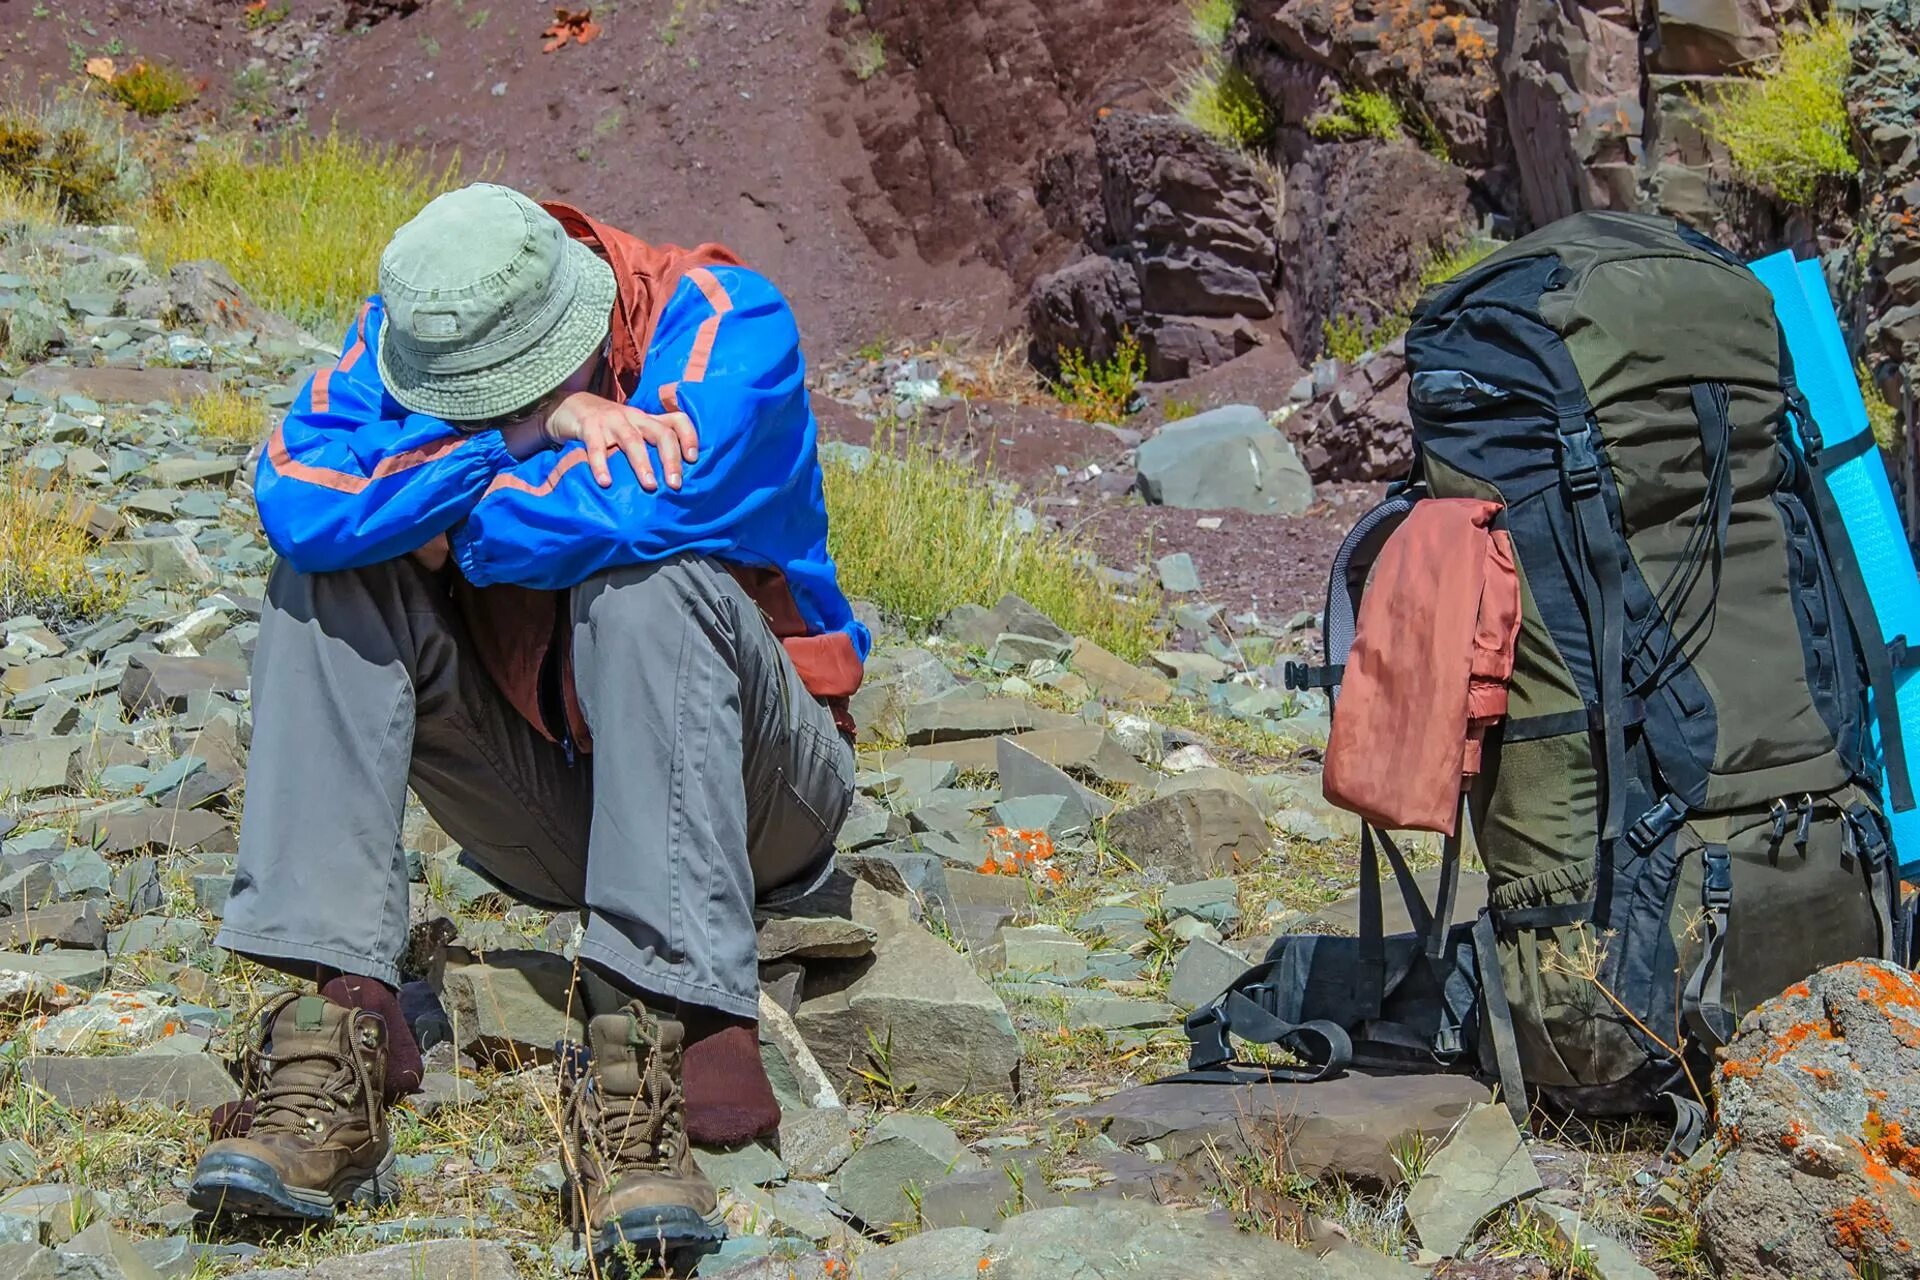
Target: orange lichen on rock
<point>1858,1219</point>
<point>1791,1138</point>
<point>1018,853</point>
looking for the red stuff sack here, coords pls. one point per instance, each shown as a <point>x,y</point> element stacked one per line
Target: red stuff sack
<point>1427,674</point>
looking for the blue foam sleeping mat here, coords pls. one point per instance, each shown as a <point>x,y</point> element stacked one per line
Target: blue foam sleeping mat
<point>1861,491</point>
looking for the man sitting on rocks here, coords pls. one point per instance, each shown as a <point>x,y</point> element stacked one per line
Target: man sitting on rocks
<point>482,576</point>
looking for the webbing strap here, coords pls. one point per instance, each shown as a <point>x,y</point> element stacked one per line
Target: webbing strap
<point>1704,1001</point>
<point>1859,605</point>
<point>1497,1021</point>
<point>1863,832</point>
<point>1606,619</point>
<point>1326,1046</point>
<point>1690,1126</point>
<point>1449,889</point>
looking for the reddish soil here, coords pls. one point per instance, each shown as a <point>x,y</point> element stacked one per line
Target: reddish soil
<point>898,206</point>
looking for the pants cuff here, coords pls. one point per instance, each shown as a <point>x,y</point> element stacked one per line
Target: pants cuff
<point>269,949</point>
<point>632,968</point>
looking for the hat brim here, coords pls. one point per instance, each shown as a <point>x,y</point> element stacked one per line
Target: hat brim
<point>516,383</point>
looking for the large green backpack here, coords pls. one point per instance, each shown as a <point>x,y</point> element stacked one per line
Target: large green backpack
<point>1680,816</point>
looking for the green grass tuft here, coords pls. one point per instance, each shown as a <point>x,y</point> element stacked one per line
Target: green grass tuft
<point>1362,113</point>
<point>1787,129</point>
<point>302,230</point>
<point>1219,99</point>
<point>1102,390</point>
<point>1443,267</point>
<point>228,416</point>
<point>867,56</point>
<point>1348,337</point>
<point>152,90</point>
<point>1888,431</point>
<point>1211,21</point>
<point>918,534</point>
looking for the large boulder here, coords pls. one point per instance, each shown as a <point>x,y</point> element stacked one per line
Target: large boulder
<point>916,1004</point>
<point>1570,79</point>
<point>1181,252</point>
<point>1363,220</point>
<point>1227,458</point>
<point>1819,1111</point>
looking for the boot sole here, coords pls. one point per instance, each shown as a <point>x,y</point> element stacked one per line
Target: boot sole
<point>662,1234</point>
<point>235,1185</point>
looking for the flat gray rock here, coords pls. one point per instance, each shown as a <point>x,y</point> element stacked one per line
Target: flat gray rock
<point>466,1259</point>
<point>902,1154</point>
<point>1483,1167</point>
<point>1345,1126</point>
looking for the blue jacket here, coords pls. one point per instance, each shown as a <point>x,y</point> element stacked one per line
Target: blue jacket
<point>351,478</point>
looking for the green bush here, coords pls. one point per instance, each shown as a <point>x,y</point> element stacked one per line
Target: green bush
<point>918,533</point>
<point>151,90</point>
<point>1348,337</point>
<point>1787,129</point>
<point>1219,99</point>
<point>301,230</point>
<point>1102,390</point>
<point>73,152</point>
<point>1882,417</point>
<point>1362,113</point>
<point>1442,267</point>
<point>1211,21</point>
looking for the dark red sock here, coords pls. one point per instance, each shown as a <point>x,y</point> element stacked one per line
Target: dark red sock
<point>729,1098</point>
<point>403,1053</point>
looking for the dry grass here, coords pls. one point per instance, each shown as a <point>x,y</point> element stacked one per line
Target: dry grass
<point>301,230</point>
<point>43,558</point>
<point>918,534</point>
<point>76,153</point>
<point>1220,99</point>
<point>228,417</point>
<point>152,89</point>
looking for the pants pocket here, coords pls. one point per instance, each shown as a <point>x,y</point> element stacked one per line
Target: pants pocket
<point>790,836</point>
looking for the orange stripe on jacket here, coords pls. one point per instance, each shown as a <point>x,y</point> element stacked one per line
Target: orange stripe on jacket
<point>347,361</point>
<point>345,481</point>
<point>716,295</point>
<point>507,480</point>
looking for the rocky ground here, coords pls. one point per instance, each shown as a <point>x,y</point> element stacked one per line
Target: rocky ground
<point>1054,854</point>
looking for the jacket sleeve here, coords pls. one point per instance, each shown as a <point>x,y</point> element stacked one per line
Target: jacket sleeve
<point>350,478</point>
<point>727,354</point>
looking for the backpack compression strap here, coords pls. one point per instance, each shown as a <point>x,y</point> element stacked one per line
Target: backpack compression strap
<point>1243,1010</point>
<point>1580,473</point>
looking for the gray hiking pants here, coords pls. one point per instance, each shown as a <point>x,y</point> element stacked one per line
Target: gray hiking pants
<point>715,779</point>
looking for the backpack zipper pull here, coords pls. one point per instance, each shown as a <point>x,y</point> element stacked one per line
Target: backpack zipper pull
<point>1780,815</point>
<point>1805,829</point>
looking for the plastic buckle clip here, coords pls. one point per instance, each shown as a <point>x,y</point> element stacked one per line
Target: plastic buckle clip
<point>1579,460</point>
<point>1655,825</point>
<point>1716,889</point>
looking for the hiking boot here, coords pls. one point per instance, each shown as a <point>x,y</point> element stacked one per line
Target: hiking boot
<point>318,1137</point>
<point>634,1183</point>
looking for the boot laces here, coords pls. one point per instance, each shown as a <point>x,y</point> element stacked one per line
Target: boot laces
<point>638,1131</point>
<point>293,1088</point>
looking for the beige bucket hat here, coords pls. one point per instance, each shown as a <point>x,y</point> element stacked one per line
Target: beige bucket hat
<point>489,305</point>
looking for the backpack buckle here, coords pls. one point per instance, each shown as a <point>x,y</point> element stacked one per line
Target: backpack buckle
<point>1716,889</point>
<point>1655,825</point>
<point>1579,460</point>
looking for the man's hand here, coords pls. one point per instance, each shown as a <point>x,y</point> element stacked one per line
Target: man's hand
<point>605,426</point>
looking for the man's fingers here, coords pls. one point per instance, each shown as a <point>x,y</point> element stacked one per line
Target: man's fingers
<point>669,445</point>
<point>596,443</point>
<point>634,445</point>
<point>684,432</point>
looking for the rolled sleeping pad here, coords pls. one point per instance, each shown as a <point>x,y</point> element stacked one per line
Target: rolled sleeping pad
<point>1862,492</point>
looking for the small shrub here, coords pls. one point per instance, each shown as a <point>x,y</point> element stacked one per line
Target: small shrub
<point>1888,431</point>
<point>73,152</point>
<point>1787,129</point>
<point>301,230</point>
<point>25,208</point>
<point>1362,113</point>
<point>1102,390</point>
<point>1348,337</point>
<point>1178,408</point>
<point>1219,99</point>
<point>151,90</point>
<point>1442,267</point>
<point>918,534</point>
<point>229,417</point>
<point>260,14</point>
<point>1211,21</point>
<point>43,558</point>
<point>867,56</point>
